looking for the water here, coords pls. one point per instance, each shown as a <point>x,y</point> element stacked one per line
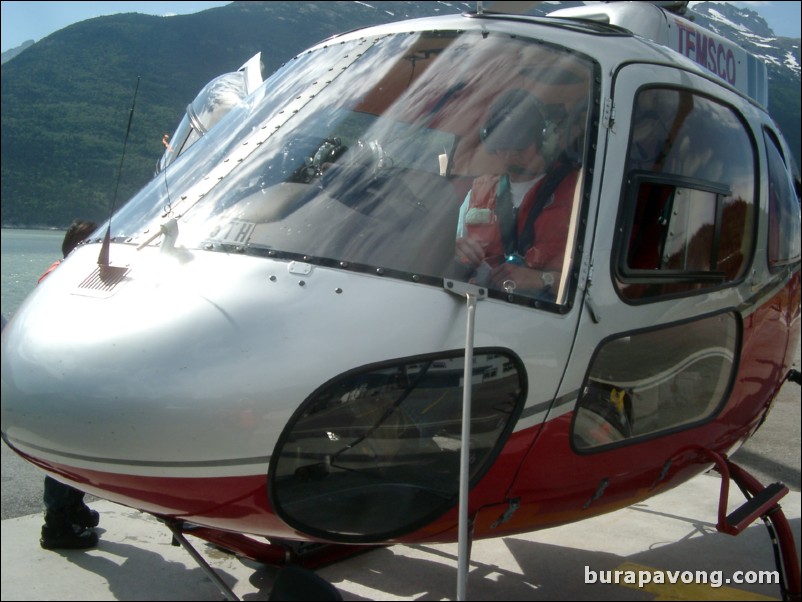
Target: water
<point>26,254</point>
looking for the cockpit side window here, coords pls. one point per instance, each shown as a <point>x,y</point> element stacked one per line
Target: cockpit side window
<point>689,203</point>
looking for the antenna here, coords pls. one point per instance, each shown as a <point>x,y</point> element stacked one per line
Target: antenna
<point>103,258</point>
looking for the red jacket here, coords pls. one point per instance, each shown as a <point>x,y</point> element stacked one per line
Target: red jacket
<point>52,267</point>
<point>550,227</point>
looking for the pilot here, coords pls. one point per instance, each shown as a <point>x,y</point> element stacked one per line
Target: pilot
<point>513,227</point>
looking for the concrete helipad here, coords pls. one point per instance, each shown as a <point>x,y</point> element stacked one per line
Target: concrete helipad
<point>672,535</point>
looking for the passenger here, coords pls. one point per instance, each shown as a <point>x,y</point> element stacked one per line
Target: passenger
<point>513,227</point>
<point>68,520</point>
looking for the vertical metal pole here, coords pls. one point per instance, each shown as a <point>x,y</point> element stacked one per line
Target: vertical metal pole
<point>472,293</point>
<point>463,551</point>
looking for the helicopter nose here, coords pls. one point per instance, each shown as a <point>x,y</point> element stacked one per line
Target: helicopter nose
<point>137,377</point>
<point>202,367</point>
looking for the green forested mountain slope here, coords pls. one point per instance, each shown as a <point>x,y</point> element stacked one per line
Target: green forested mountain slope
<point>66,99</point>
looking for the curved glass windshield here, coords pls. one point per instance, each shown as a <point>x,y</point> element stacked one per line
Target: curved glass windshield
<point>216,99</point>
<point>388,153</point>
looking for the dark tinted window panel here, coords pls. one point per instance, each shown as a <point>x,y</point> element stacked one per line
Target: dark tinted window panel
<point>784,219</point>
<point>375,453</point>
<point>688,215</point>
<point>656,381</point>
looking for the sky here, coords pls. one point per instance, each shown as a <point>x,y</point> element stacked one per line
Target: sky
<point>23,20</point>
<point>34,20</point>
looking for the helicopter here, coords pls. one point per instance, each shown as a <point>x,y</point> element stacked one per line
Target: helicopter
<point>277,349</point>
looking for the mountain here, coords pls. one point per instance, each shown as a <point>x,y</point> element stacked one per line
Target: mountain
<point>781,55</point>
<point>10,54</point>
<point>65,100</point>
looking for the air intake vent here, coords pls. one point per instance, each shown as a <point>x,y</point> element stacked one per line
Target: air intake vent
<point>103,281</point>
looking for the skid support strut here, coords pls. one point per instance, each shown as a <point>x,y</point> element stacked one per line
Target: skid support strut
<point>295,579</point>
<point>178,536</point>
<point>761,502</point>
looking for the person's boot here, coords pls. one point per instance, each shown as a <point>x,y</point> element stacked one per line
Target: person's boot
<point>84,516</point>
<point>67,537</point>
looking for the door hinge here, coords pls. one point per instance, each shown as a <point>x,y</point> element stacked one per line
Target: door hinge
<point>608,115</point>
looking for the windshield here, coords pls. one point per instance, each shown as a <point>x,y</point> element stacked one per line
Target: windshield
<point>216,99</point>
<point>366,155</point>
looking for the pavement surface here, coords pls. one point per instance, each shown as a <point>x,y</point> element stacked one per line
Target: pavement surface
<point>671,532</point>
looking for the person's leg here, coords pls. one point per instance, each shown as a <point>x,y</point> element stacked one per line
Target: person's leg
<point>64,515</point>
<point>81,514</point>
<point>66,504</point>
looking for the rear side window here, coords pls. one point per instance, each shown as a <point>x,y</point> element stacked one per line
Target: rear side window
<point>784,220</point>
<point>688,209</point>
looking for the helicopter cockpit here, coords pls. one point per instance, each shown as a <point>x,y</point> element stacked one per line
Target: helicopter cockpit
<point>368,163</point>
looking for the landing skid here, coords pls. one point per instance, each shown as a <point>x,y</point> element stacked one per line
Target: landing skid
<point>295,580</point>
<point>761,502</point>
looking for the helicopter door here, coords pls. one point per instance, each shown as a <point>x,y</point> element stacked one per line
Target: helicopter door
<point>660,353</point>
<point>655,352</point>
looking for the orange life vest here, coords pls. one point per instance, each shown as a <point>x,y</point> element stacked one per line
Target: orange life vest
<point>550,228</point>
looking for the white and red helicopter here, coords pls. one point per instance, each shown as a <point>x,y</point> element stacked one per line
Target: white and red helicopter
<point>275,346</point>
